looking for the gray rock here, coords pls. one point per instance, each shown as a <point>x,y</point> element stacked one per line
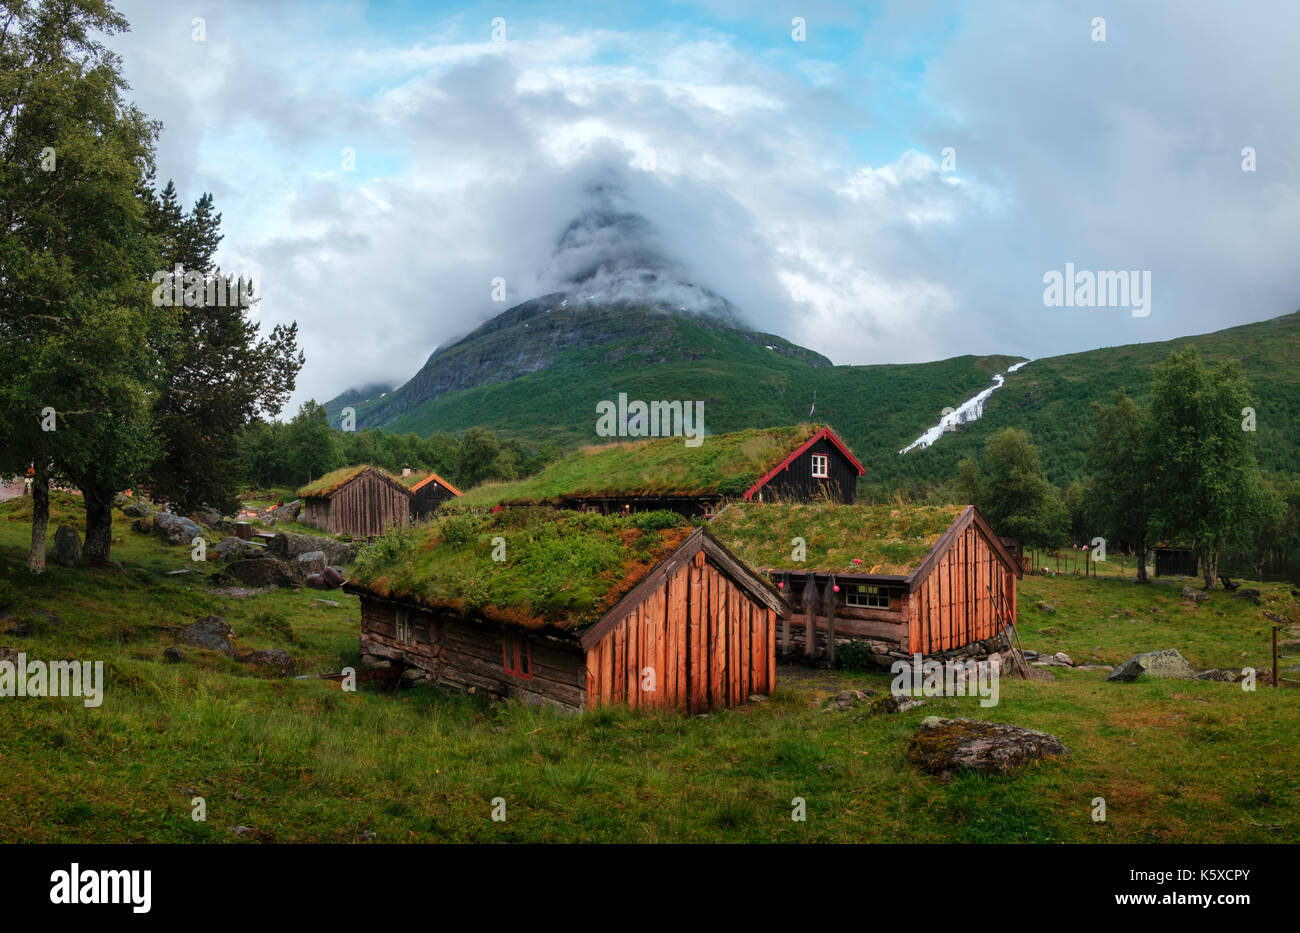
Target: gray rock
<point>312,562</point>
<point>211,632</point>
<point>328,604</point>
<point>176,529</point>
<point>210,518</point>
<point>1255,596</point>
<point>272,661</point>
<point>286,546</point>
<point>945,745</point>
<point>138,509</point>
<point>173,654</point>
<point>1045,607</point>
<point>143,525</point>
<point>1195,595</point>
<point>332,577</point>
<point>284,513</point>
<point>67,547</point>
<point>1064,658</point>
<point>233,548</point>
<point>1166,663</point>
<point>1223,676</point>
<point>264,571</point>
<point>895,704</point>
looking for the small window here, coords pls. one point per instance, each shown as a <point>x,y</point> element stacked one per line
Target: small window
<point>517,655</point>
<point>404,633</point>
<point>820,466</point>
<point>867,597</point>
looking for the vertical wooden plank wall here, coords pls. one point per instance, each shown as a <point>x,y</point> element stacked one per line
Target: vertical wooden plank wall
<point>706,641</point>
<point>368,506</point>
<point>957,603</point>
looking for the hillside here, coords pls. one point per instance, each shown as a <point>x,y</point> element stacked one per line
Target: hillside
<point>1050,398</point>
<point>537,371</point>
<point>537,375</point>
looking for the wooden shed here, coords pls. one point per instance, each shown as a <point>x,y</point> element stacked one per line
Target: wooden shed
<point>358,500</point>
<point>929,580</point>
<point>428,491</point>
<point>666,617</point>
<point>802,462</point>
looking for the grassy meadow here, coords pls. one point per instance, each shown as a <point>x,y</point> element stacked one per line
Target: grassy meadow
<point>299,760</point>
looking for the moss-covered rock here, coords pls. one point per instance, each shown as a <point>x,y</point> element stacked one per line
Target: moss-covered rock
<point>942,745</point>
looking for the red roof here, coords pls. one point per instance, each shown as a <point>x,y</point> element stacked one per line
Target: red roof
<point>784,464</point>
<point>432,477</point>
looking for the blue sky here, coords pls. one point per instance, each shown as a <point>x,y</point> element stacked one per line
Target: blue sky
<point>804,181</point>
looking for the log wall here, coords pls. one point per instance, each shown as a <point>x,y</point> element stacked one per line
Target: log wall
<point>699,642</point>
<point>460,654</point>
<point>968,595</point>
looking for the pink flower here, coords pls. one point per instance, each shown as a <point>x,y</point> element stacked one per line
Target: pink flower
<point>857,560</point>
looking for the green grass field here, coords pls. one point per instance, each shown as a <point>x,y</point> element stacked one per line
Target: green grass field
<point>300,760</point>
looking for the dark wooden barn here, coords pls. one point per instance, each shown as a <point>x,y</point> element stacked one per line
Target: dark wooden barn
<point>929,580</point>
<point>428,491</point>
<point>819,468</point>
<point>1176,562</point>
<point>795,463</point>
<point>684,625</point>
<point>358,500</point>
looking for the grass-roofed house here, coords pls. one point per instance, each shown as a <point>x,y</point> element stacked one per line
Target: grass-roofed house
<point>571,609</point>
<point>358,500</point>
<point>797,463</point>
<point>929,580</point>
<point>428,491</point>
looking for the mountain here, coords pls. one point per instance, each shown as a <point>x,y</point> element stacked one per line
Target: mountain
<point>537,371</point>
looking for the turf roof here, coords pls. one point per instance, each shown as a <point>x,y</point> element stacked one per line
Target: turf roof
<point>889,540</point>
<point>724,464</point>
<point>563,569</point>
<point>341,477</point>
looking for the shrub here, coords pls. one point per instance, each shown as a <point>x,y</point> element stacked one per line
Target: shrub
<point>855,656</point>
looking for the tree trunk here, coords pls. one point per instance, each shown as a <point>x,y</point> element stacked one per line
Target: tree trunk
<point>99,527</point>
<point>1211,566</point>
<point>1140,548</point>
<point>40,518</point>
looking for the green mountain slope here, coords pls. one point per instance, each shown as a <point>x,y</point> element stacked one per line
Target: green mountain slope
<point>537,371</point>
<point>1050,398</point>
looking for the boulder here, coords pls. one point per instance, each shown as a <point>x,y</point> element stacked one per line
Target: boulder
<point>143,525</point>
<point>1167,663</point>
<point>1255,596</point>
<point>272,661</point>
<point>1045,607</point>
<point>317,581</point>
<point>333,577</point>
<point>312,562</point>
<point>284,513</point>
<point>264,571</point>
<point>1223,676</point>
<point>233,548</point>
<point>210,518</point>
<point>176,529</point>
<point>1195,595</point>
<point>943,745</point>
<point>138,509</point>
<point>67,547</point>
<point>211,632</point>
<point>895,704</point>
<point>173,655</point>
<point>286,546</point>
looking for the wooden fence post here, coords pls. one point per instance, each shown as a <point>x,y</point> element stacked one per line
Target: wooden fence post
<point>810,617</point>
<point>830,621</point>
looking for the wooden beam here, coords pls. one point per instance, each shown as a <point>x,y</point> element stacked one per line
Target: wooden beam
<point>830,621</point>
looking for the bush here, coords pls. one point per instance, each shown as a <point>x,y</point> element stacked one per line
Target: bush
<point>855,656</point>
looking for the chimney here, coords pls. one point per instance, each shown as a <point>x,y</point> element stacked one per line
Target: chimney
<point>406,471</point>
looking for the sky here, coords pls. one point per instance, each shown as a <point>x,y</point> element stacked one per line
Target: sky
<point>879,182</point>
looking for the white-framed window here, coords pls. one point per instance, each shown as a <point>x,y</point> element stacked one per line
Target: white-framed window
<point>821,468</point>
<point>866,597</point>
<point>404,634</point>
